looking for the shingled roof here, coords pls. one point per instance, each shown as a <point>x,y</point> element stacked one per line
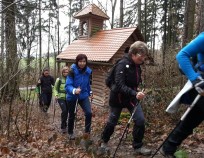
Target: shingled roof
<point>91,9</point>
<point>100,47</point>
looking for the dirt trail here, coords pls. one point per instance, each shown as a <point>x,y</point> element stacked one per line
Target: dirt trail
<point>99,117</point>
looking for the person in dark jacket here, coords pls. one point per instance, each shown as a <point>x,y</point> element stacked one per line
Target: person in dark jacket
<point>44,89</point>
<point>124,94</point>
<point>78,92</point>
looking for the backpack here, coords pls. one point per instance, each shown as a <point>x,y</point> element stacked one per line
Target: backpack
<point>110,78</point>
<point>58,86</point>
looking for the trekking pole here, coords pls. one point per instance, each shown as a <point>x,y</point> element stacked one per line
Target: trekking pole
<point>54,106</point>
<point>75,112</point>
<point>182,118</point>
<point>127,126</point>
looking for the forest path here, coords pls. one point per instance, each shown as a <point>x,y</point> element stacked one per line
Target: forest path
<point>82,146</point>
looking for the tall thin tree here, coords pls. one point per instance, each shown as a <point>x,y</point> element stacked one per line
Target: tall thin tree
<point>189,18</point>
<point>121,13</point>
<point>201,17</point>
<point>11,44</point>
<point>2,45</point>
<point>113,5</point>
<point>165,30</point>
<point>70,18</point>
<point>40,39</point>
<point>139,13</point>
<point>11,56</point>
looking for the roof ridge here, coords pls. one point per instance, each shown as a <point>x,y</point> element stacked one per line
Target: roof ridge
<point>117,29</point>
<point>91,8</point>
<point>103,45</point>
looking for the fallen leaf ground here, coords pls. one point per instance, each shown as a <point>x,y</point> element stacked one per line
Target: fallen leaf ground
<point>47,141</point>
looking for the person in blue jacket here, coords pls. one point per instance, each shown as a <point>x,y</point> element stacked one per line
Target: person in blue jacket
<point>78,92</point>
<point>195,49</point>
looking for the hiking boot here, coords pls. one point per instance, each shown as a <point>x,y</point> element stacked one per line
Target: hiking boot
<point>63,130</point>
<point>71,137</point>
<point>142,151</point>
<point>166,155</point>
<point>104,146</point>
<point>86,136</point>
<point>103,149</point>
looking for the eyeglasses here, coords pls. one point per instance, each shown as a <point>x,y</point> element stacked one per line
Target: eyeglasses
<point>141,55</point>
<point>65,72</point>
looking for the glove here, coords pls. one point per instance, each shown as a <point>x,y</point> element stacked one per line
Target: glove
<point>201,68</point>
<point>199,85</point>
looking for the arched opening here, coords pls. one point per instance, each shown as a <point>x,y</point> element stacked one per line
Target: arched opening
<point>84,28</point>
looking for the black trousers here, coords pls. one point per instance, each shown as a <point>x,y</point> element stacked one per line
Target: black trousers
<point>64,114</point>
<point>45,101</point>
<point>185,128</point>
<point>86,107</point>
<point>138,129</point>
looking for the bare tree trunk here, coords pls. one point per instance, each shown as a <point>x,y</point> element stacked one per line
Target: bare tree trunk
<point>139,13</point>
<point>40,40</point>
<point>201,17</point>
<point>169,25</point>
<point>165,30</point>
<point>154,28</point>
<point>28,47</point>
<point>121,13</point>
<point>2,47</point>
<point>2,34</point>
<point>145,22</point>
<point>55,53</point>
<point>188,21</point>
<point>1,66</point>
<point>11,55</point>
<point>58,41</point>
<point>80,4</point>
<point>70,17</point>
<point>113,4</point>
<point>48,45</point>
<point>11,46</point>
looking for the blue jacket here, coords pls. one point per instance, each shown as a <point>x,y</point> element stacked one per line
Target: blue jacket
<point>194,49</point>
<point>78,78</point>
